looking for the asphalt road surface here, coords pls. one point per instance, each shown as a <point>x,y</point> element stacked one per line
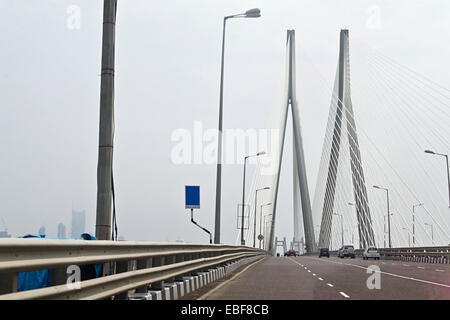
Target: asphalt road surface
<point>313,278</point>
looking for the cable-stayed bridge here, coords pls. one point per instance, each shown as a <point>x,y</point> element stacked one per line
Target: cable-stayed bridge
<point>404,114</point>
<point>381,182</point>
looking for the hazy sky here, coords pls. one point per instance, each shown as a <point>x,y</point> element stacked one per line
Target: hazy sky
<point>167,77</point>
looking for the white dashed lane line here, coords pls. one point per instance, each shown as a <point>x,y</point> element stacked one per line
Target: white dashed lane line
<point>439,270</point>
<point>421,267</point>
<point>393,274</point>
<point>315,275</point>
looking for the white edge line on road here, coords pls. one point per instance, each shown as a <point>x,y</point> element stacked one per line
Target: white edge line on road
<point>344,295</point>
<point>206,295</point>
<point>390,274</point>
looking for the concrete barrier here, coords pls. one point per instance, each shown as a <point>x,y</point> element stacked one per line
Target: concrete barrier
<point>189,284</point>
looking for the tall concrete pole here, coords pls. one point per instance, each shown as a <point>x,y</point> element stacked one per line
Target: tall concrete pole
<point>106,136</point>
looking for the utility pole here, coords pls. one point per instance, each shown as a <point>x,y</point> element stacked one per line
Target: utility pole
<point>106,135</point>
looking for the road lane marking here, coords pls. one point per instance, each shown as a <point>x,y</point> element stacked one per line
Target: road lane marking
<point>421,267</point>
<point>344,295</point>
<point>390,274</point>
<point>314,274</point>
<point>439,270</point>
<point>330,285</point>
<point>320,279</point>
<point>309,270</point>
<point>406,265</point>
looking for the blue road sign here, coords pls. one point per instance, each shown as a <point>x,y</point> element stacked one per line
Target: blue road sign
<point>192,197</point>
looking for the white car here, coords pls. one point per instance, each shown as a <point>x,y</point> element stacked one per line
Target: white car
<point>346,251</point>
<point>371,253</point>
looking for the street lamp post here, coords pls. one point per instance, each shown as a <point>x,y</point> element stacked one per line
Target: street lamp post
<point>260,220</point>
<point>352,204</point>
<point>253,13</point>
<point>409,238</point>
<point>342,226</point>
<point>318,231</point>
<point>388,214</point>
<point>448,172</point>
<point>254,224</point>
<point>243,195</point>
<point>413,229</point>
<point>265,227</point>
<point>430,225</point>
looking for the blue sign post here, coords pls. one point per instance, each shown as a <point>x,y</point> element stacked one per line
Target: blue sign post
<point>192,196</point>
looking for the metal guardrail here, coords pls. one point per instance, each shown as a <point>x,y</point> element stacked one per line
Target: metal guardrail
<point>423,254</point>
<point>126,265</point>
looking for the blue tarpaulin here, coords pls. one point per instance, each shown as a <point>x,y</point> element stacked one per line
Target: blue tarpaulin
<point>33,279</point>
<point>42,278</point>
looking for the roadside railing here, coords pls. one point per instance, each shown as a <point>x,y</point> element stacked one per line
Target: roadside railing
<point>418,254</point>
<point>125,266</point>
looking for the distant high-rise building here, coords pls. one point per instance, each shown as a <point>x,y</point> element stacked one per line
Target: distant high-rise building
<point>41,230</point>
<point>4,234</point>
<point>78,223</point>
<point>61,231</point>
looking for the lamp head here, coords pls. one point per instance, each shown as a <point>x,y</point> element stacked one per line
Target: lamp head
<point>253,13</point>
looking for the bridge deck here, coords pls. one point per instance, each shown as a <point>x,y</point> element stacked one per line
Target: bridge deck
<point>298,278</point>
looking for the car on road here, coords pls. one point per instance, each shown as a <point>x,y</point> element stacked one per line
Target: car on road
<point>371,253</point>
<point>291,253</point>
<point>346,251</point>
<point>324,252</point>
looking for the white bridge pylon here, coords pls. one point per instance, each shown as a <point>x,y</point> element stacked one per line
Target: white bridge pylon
<point>300,179</point>
<point>342,121</point>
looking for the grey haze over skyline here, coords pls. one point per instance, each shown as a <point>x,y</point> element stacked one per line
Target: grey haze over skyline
<point>167,77</point>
